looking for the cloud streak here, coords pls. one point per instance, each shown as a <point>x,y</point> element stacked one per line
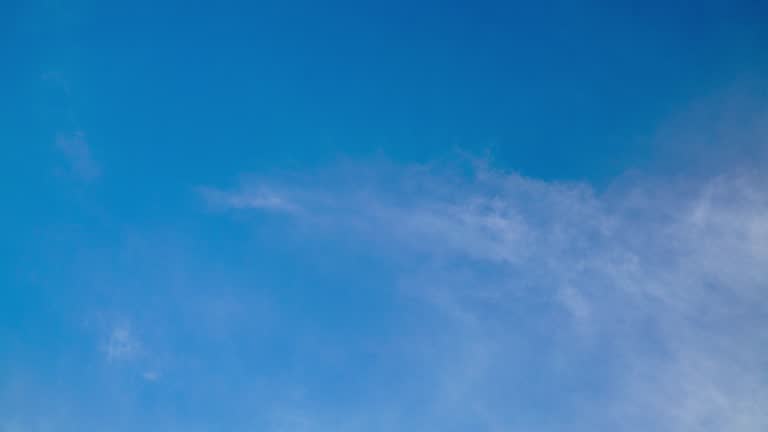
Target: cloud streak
<point>259,198</point>
<point>663,279</point>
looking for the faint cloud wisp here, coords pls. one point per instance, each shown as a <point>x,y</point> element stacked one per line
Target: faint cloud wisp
<point>77,152</point>
<point>667,276</point>
<point>121,344</point>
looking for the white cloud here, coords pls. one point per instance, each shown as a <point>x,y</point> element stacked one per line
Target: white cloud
<point>667,279</point>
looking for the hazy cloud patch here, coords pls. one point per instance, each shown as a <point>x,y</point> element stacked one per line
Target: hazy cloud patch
<point>75,148</point>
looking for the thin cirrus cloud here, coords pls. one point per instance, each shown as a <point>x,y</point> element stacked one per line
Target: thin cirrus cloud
<point>258,198</point>
<point>644,275</point>
<point>75,148</point>
<point>121,344</point>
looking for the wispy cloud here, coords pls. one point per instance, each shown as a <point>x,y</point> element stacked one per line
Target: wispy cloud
<point>151,375</point>
<point>255,198</point>
<point>121,344</point>
<point>662,278</point>
<point>77,152</point>
<point>71,140</point>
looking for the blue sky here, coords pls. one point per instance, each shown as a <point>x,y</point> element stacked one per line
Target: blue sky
<point>384,216</point>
